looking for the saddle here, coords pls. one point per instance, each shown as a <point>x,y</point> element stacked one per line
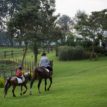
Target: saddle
<point>20,79</point>
<point>46,69</point>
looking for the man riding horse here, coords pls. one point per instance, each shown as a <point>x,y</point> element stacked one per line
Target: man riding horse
<point>44,63</point>
<point>44,71</point>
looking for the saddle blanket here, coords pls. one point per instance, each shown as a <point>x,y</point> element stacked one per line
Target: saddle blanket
<point>20,81</point>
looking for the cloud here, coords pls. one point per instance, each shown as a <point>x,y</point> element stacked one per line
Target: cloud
<point>70,7</point>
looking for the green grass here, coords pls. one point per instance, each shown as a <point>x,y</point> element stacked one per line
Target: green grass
<point>75,84</point>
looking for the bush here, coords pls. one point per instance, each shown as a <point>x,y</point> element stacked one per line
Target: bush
<point>100,50</point>
<point>72,53</point>
<point>1,82</point>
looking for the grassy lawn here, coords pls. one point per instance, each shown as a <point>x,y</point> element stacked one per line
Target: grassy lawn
<point>75,84</point>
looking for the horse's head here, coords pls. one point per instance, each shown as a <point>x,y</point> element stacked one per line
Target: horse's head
<point>51,63</point>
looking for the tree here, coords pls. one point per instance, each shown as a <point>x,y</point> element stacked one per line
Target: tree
<point>34,23</point>
<point>3,12</point>
<point>71,39</point>
<point>89,27</point>
<point>65,23</point>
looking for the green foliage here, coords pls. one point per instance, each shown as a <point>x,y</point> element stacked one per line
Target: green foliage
<point>65,23</point>
<point>71,53</point>
<point>71,40</point>
<point>1,82</point>
<point>34,23</point>
<point>91,27</point>
<point>100,50</point>
<point>101,18</point>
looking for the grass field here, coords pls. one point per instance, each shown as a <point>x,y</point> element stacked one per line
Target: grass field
<point>75,84</point>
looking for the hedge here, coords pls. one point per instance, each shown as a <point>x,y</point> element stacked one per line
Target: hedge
<point>72,53</point>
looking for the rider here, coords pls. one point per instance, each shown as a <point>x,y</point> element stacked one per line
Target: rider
<point>19,73</point>
<point>44,62</point>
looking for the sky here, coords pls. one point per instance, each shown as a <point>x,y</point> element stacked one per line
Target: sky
<point>70,7</point>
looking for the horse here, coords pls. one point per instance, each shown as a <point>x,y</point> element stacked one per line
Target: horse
<point>12,81</point>
<point>40,73</point>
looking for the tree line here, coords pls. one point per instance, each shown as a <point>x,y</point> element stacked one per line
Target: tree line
<point>88,31</point>
<point>34,23</point>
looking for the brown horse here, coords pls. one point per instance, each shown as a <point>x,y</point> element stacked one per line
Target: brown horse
<point>39,74</point>
<point>12,81</point>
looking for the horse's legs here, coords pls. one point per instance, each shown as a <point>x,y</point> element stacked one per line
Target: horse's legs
<point>39,83</point>
<point>13,91</point>
<point>45,83</point>
<point>31,84</point>
<point>26,89</point>
<point>6,89</point>
<point>50,83</point>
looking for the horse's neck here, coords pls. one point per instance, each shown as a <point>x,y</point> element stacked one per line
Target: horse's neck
<point>51,63</point>
<point>27,77</point>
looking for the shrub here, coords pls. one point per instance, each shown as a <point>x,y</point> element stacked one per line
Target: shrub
<point>63,52</point>
<point>1,82</point>
<point>72,53</point>
<point>100,50</point>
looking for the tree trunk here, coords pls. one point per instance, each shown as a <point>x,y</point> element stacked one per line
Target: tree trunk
<point>93,54</point>
<point>11,42</point>
<point>24,54</point>
<point>35,50</point>
<point>56,49</point>
<point>35,59</point>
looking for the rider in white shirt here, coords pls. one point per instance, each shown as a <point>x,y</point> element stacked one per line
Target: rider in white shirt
<point>44,62</point>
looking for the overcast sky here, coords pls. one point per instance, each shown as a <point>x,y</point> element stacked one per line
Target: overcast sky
<point>70,7</point>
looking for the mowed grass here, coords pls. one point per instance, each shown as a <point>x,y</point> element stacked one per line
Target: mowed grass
<point>75,84</point>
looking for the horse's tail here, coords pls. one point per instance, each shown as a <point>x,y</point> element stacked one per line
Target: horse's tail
<point>34,77</point>
<point>6,86</point>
